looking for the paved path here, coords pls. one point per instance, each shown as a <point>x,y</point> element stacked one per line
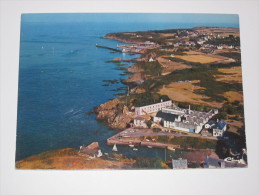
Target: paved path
<point>149,132</point>
<point>128,137</point>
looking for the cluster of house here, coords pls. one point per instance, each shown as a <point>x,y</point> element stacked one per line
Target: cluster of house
<point>138,47</point>
<point>211,163</point>
<point>173,117</point>
<point>192,38</point>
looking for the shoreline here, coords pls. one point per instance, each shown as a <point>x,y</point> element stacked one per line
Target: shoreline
<point>118,113</point>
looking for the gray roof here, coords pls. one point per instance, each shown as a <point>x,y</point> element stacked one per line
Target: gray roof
<point>179,164</point>
<point>167,116</point>
<point>217,125</point>
<point>186,125</point>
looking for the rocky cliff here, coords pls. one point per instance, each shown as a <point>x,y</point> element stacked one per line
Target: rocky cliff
<point>114,114</point>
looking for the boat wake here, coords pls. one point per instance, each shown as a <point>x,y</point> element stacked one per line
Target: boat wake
<point>72,113</point>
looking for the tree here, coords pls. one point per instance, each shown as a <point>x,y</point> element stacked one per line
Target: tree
<point>149,123</point>
<point>222,150</point>
<point>242,137</point>
<point>220,116</point>
<point>149,163</point>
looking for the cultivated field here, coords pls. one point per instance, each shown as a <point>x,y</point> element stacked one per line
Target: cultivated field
<point>199,57</point>
<point>185,92</point>
<point>170,66</point>
<point>219,31</point>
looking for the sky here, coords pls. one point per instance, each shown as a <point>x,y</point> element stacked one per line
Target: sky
<point>231,19</point>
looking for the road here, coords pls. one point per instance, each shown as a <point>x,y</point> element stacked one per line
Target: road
<point>149,132</point>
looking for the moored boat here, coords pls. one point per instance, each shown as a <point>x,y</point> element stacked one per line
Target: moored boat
<point>171,148</point>
<point>114,148</point>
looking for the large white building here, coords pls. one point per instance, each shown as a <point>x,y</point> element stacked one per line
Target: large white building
<point>152,108</point>
<point>183,119</point>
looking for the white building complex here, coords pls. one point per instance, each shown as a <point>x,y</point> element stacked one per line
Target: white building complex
<point>183,119</point>
<point>152,108</point>
<point>173,117</point>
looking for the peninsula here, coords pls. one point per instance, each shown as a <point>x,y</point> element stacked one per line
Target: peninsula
<point>187,82</point>
<point>184,93</point>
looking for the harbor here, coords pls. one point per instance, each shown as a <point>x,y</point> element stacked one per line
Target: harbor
<point>135,137</point>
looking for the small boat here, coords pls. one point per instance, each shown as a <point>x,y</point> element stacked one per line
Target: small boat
<point>135,149</point>
<point>228,159</point>
<point>149,146</point>
<point>131,145</point>
<point>171,148</point>
<point>114,148</point>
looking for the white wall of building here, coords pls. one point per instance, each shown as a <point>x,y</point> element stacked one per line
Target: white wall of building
<point>152,108</point>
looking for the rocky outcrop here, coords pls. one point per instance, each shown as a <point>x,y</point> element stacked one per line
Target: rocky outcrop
<point>134,68</point>
<point>113,115</point>
<point>137,90</point>
<point>135,78</point>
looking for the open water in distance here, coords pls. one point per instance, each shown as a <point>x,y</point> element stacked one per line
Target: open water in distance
<point>61,75</point>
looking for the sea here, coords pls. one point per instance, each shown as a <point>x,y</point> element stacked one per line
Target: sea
<point>61,79</point>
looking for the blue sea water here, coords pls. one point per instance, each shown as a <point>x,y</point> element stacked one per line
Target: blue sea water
<point>61,75</point>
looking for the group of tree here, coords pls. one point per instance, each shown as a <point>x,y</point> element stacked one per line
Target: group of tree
<point>149,163</point>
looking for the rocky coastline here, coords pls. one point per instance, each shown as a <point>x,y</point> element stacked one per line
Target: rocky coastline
<point>114,113</point>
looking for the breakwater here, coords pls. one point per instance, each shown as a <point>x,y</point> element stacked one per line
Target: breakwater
<point>110,48</point>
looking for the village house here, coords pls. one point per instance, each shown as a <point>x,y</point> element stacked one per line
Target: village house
<point>151,59</point>
<point>140,122</point>
<point>219,47</point>
<point>179,164</point>
<point>152,108</point>
<point>218,128</point>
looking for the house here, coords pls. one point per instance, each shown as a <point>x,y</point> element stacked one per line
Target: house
<point>219,47</point>
<point>214,163</point>
<point>179,164</point>
<point>151,59</point>
<point>152,108</point>
<point>218,128</point>
<point>140,122</point>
